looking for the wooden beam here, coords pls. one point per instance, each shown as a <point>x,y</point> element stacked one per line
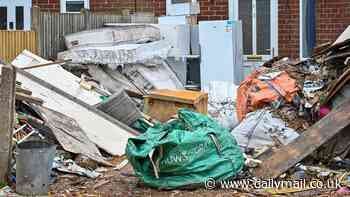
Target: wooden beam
<point>323,131</point>
<point>28,98</point>
<point>47,64</point>
<point>7,106</point>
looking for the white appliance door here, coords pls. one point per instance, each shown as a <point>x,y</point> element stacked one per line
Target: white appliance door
<point>216,39</point>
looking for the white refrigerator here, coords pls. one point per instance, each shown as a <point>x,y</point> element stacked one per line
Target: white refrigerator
<point>221,52</point>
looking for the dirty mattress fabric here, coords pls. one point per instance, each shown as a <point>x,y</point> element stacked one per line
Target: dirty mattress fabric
<point>185,151</point>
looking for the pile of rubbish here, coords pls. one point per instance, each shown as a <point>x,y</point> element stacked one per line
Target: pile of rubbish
<point>117,98</point>
<point>286,111</point>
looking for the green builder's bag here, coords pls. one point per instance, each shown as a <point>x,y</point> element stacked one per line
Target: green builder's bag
<point>183,152</point>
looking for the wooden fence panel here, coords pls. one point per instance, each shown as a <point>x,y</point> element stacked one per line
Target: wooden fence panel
<point>14,42</point>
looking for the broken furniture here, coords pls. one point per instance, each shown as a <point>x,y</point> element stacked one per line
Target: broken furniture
<point>163,104</point>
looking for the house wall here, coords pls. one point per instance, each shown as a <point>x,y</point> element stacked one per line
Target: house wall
<point>288,28</point>
<point>210,9</point>
<point>332,18</point>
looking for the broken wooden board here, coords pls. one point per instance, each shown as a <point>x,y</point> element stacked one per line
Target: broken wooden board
<point>7,114</point>
<point>323,131</point>
<point>106,132</point>
<point>24,91</point>
<point>70,136</point>
<point>30,99</point>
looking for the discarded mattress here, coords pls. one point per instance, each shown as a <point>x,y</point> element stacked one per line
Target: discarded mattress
<point>136,79</point>
<point>260,89</point>
<point>127,34</point>
<point>178,36</point>
<point>114,55</point>
<point>159,76</point>
<point>258,129</point>
<point>112,80</point>
<point>56,76</point>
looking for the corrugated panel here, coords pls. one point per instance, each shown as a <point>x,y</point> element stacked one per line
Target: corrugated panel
<point>14,42</point>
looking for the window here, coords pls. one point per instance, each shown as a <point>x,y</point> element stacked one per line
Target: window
<point>180,1</point>
<point>74,6</point>
<point>19,17</point>
<point>3,18</point>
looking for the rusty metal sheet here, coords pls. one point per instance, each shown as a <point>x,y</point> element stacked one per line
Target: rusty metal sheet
<point>323,131</point>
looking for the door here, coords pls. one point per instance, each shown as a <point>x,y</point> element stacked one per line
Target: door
<point>15,14</point>
<point>260,29</point>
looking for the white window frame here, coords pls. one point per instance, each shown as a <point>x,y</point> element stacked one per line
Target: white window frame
<point>64,9</point>
<point>11,13</point>
<point>234,15</point>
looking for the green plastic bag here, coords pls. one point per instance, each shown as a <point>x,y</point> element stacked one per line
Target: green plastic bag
<point>183,152</point>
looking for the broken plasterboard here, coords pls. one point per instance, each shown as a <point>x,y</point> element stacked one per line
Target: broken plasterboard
<point>56,76</point>
<point>103,130</point>
<point>70,136</point>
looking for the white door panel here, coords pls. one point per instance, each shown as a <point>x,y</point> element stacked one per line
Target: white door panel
<point>260,28</point>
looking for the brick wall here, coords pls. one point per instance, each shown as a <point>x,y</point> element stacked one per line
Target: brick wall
<point>52,5</point>
<point>332,18</point>
<point>213,10</point>
<point>288,30</point>
<point>210,9</point>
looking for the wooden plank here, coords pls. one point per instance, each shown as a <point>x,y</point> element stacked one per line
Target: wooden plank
<point>24,91</point>
<point>7,106</point>
<point>30,99</point>
<point>323,131</point>
<point>46,64</point>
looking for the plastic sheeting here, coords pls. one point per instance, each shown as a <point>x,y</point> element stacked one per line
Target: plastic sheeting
<point>260,127</point>
<point>222,103</point>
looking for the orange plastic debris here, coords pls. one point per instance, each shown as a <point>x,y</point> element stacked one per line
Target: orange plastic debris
<point>254,94</point>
